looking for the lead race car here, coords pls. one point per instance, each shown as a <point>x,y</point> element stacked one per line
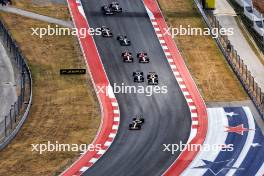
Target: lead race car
<point>123,40</point>
<point>112,8</point>
<point>127,57</point>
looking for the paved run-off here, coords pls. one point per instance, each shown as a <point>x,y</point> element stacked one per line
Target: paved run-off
<point>8,93</point>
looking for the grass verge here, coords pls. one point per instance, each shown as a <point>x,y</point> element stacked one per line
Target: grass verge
<point>65,108</point>
<point>56,10</point>
<point>211,72</point>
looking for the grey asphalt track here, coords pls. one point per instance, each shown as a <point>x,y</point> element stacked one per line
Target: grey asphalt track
<point>8,94</point>
<point>167,117</point>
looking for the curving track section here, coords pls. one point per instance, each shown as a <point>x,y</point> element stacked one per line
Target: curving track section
<point>195,102</point>
<point>168,116</point>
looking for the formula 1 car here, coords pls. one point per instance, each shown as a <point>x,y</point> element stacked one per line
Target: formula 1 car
<point>107,10</point>
<point>123,40</point>
<point>137,123</point>
<point>112,8</point>
<point>115,7</point>
<point>153,78</point>
<point>134,126</point>
<point>127,57</point>
<point>138,77</point>
<point>143,57</point>
<point>106,32</point>
<point>139,119</point>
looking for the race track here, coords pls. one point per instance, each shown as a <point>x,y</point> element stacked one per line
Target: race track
<point>167,116</point>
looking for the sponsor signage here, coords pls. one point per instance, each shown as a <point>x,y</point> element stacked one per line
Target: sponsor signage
<point>72,71</point>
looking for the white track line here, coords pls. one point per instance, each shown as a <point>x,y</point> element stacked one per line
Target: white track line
<point>216,135</point>
<point>249,141</point>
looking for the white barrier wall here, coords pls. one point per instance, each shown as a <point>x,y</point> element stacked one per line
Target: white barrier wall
<point>254,15</point>
<point>240,2</point>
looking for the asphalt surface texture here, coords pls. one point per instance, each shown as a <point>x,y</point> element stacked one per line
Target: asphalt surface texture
<point>8,94</point>
<point>167,116</point>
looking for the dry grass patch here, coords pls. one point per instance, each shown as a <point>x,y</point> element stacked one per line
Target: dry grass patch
<point>56,10</point>
<point>205,61</point>
<point>65,108</point>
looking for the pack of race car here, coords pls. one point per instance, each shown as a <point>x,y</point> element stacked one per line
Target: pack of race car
<point>152,78</point>
<point>127,57</point>
<point>142,57</point>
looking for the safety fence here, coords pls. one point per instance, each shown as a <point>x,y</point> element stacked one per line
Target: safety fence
<point>234,60</point>
<point>11,123</point>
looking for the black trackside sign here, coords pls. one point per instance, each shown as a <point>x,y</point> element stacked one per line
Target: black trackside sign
<point>72,71</point>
